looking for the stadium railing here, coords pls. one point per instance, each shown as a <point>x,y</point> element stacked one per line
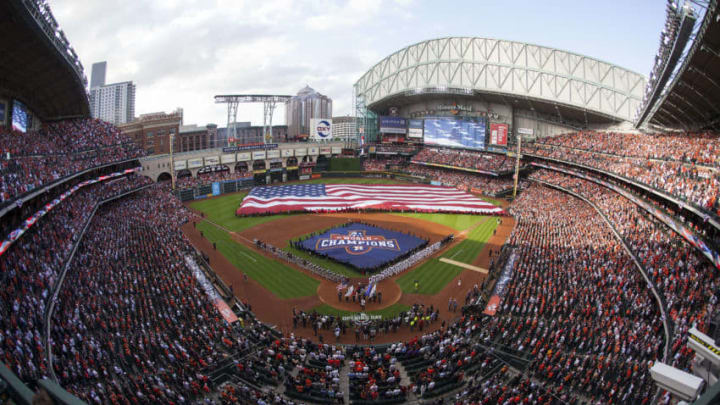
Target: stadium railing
<point>660,298</point>
<point>32,194</point>
<point>18,393</point>
<point>702,244</point>
<point>662,304</point>
<point>61,278</point>
<point>713,219</point>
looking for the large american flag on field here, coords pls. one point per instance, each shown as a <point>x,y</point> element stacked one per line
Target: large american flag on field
<point>339,197</point>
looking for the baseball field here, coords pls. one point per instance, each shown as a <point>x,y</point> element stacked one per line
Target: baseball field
<point>276,286</point>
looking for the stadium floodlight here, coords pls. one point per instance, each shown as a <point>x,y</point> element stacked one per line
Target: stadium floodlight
<point>683,385</point>
<point>269,101</point>
<point>704,346</point>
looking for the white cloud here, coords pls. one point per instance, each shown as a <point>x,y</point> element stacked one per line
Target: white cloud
<point>180,53</point>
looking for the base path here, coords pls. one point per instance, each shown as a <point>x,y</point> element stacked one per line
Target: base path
<point>280,231</point>
<point>278,312</point>
<point>464,265</point>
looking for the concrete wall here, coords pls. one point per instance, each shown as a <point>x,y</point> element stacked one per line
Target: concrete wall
<point>154,166</point>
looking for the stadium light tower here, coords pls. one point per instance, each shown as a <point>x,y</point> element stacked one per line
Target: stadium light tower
<point>516,176</point>
<point>269,103</point>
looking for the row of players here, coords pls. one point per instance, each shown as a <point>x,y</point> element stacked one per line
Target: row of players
<point>593,340</point>
<point>575,304</point>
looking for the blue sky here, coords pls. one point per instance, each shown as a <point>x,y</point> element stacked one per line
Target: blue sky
<point>180,53</point>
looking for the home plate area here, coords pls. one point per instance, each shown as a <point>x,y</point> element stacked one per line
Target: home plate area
<point>364,247</point>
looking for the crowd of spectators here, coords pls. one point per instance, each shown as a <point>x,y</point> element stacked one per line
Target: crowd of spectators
<point>390,148</point>
<point>577,304</point>
<point>489,162</point>
<point>374,376</point>
<point>416,318</point>
<point>698,148</point>
<point>131,323</point>
<point>379,165</point>
<point>486,184</point>
<point>30,267</point>
<point>675,170</point>
<point>209,178</point>
<point>688,282</point>
<point>30,160</point>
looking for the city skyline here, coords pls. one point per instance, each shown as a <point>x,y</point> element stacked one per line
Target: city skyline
<point>181,53</point>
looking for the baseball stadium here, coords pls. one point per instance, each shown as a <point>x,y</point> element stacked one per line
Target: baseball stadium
<point>510,224</point>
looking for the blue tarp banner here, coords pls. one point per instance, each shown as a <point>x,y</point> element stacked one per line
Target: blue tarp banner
<point>362,246</point>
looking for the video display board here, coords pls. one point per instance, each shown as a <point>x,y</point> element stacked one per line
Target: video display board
<point>415,128</point>
<point>20,120</point>
<point>498,134</point>
<point>393,125</point>
<point>458,132</point>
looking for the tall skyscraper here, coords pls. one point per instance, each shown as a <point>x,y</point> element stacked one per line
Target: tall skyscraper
<point>115,102</point>
<point>307,104</point>
<point>97,78</point>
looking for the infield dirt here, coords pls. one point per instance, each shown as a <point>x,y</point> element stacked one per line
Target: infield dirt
<point>278,312</point>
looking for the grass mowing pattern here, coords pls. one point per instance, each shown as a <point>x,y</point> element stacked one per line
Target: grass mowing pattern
<point>221,210</point>
<point>389,312</point>
<point>283,281</point>
<point>331,265</point>
<point>433,275</point>
<point>456,221</point>
<point>459,222</point>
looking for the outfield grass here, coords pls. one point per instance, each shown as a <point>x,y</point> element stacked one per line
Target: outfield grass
<point>389,312</point>
<point>281,280</point>
<point>493,200</point>
<point>331,265</point>
<point>459,222</point>
<point>286,282</point>
<point>433,275</point>
<point>221,210</point>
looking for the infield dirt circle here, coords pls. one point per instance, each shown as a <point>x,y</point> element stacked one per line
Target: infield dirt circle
<point>270,309</point>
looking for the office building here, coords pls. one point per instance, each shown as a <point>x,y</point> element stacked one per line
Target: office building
<point>114,103</point>
<point>344,128</point>
<point>303,107</point>
<point>97,78</point>
<point>152,131</point>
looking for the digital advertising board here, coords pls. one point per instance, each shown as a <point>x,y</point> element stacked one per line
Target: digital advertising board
<point>212,160</point>
<point>194,163</point>
<point>457,132</point>
<point>20,119</point>
<point>393,125</point>
<point>415,129</point>
<point>498,134</point>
